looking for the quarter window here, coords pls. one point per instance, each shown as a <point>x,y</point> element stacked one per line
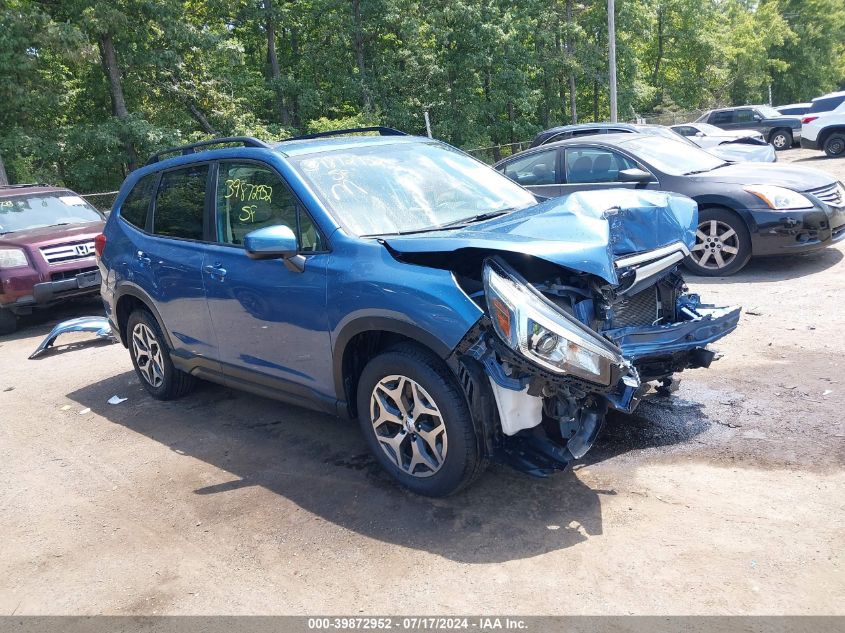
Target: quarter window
<point>595,165</point>
<point>134,209</point>
<point>180,203</point>
<point>251,197</point>
<point>535,169</point>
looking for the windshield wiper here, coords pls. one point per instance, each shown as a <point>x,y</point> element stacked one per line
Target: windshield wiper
<point>480,217</point>
<point>704,171</point>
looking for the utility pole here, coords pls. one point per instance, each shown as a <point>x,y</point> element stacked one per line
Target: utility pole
<point>611,42</point>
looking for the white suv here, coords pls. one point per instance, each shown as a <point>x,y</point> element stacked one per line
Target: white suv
<point>825,131</point>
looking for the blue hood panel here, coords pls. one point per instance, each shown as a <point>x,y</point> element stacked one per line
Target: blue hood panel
<point>583,231</point>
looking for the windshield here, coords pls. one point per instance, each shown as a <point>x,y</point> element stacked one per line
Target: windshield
<point>407,187</point>
<point>670,156</point>
<point>21,213</point>
<point>768,111</point>
<point>709,129</point>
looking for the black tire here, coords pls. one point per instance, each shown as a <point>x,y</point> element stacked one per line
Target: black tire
<point>834,145</point>
<point>740,240</point>
<point>781,139</point>
<point>461,460</point>
<point>8,322</point>
<point>173,382</point>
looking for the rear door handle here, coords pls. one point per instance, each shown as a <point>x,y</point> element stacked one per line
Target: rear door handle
<point>143,258</point>
<point>215,270</point>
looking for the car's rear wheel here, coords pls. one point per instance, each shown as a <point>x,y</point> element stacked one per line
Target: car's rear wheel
<point>781,139</point>
<point>151,358</point>
<point>416,422</point>
<point>834,145</point>
<point>722,244</point>
<point>8,321</point>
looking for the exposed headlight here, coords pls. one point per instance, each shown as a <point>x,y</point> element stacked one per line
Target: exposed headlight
<point>537,329</point>
<point>780,198</point>
<point>12,258</point>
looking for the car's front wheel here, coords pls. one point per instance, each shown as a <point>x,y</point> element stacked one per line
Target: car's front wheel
<point>781,139</point>
<point>722,244</point>
<point>416,422</point>
<point>834,145</point>
<point>151,358</point>
<point>8,321</point>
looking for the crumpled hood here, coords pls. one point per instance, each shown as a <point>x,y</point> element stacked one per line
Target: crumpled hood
<point>583,231</point>
<point>742,152</point>
<point>795,177</point>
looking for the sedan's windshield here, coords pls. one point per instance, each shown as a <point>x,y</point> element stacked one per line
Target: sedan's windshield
<point>20,213</point>
<point>670,156</point>
<point>407,187</point>
<point>665,132</point>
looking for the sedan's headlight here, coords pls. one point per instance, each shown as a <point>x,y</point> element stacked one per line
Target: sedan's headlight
<point>779,198</point>
<point>12,258</point>
<point>537,329</point>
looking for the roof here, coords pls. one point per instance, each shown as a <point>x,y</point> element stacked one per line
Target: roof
<point>7,191</point>
<point>300,147</point>
<point>841,93</point>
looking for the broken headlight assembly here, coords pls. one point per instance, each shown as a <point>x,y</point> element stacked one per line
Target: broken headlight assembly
<point>535,328</point>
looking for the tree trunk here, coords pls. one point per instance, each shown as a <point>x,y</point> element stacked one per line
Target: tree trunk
<point>4,178</point>
<point>112,71</point>
<point>570,49</point>
<point>358,41</point>
<point>273,62</point>
<point>660,25</point>
<point>595,100</point>
<point>108,56</point>
<point>200,117</point>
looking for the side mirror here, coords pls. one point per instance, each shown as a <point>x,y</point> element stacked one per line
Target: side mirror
<point>271,242</point>
<point>699,134</point>
<point>634,175</point>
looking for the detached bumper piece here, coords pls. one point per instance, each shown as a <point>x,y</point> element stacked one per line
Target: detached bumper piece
<point>100,325</point>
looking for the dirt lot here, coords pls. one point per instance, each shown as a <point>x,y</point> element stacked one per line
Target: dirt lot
<point>727,498</point>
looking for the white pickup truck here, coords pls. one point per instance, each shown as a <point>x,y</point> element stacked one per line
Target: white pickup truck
<point>825,131</point>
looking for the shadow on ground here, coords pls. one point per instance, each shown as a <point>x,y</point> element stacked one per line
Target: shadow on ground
<point>321,464</point>
<point>775,269</point>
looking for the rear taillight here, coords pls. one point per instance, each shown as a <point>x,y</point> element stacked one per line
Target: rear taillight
<point>99,244</point>
<point>807,119</point>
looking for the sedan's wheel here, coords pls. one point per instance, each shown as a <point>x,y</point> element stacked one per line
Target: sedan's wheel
<point>151,358</point>
<point>781,139</point>
<point>416,422</point>
<point>835,145</point>
<point>722,244</point>
<point>408,426</point>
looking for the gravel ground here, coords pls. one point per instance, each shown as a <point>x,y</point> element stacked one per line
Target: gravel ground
<point>725,499</point>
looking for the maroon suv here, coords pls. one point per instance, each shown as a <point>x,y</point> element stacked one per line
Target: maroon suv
<point>46,249</point>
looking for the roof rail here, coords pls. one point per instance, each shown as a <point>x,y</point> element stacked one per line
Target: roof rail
<point>190,148</point>
<point>24,184</point>
<point>382,130</point>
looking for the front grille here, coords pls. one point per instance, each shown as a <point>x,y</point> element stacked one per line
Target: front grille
<point>833,195</point>
<point>67,252</point>
<point>642,308</point>
<point>71,274</point>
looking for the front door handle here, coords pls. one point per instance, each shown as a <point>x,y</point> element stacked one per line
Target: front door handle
<point>215,270</point>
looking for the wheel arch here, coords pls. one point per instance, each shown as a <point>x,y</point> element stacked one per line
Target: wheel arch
<point>781,128</point>
<point>364,338</point>
<point>128,299</point>
<point>827,132</point>
<point>719,203</point>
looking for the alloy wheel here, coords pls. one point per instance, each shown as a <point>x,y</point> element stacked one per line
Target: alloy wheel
<point>779,141</point>
<point>408,426</point>
<point>716,245</point>
<point>148,356</point>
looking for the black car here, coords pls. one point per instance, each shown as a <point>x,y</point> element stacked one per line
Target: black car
<point>781,130</point>
<point>745,209</point>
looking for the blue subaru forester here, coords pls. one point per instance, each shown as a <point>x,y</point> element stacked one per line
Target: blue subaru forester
<point>397,280</point>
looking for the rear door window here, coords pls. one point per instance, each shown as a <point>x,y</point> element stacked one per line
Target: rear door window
<point>137,204</point>
<point>591,165</point>
<point>722,118</point>
<point>252,196</point>
<point>535,169</point>
<point>180,203</point>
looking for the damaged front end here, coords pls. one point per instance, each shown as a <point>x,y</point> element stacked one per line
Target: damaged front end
<point>560,350</point>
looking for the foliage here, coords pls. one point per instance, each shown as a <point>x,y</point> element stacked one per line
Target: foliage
<point>90,87</point>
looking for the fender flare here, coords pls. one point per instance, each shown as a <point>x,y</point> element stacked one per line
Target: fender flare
<point>130,289</point>
<point>377,323</point>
